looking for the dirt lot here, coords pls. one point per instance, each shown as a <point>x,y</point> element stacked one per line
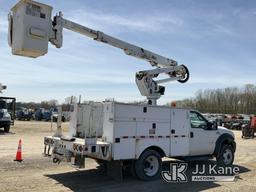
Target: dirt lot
<point>37,173</point>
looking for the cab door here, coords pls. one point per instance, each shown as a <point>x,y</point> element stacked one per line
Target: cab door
<point>202,135</point>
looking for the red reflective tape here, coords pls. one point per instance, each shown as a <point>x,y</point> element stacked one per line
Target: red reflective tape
<point>151,136</point>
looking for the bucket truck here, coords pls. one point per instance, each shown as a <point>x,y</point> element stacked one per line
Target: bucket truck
<point>7,110</point>
<point>134,136</point>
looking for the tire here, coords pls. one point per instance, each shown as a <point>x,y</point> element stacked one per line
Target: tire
<point>54,119</point>
<point>226,156</point>
<point>7,128</point>
<point>132,168</point>
<point>101,163</point>
<point>149,165</point>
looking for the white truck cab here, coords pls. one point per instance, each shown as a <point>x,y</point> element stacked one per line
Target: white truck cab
<point>139,136</point>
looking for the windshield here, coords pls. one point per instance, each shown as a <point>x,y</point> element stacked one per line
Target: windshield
<point>197,120</point>
<point>3,104</point>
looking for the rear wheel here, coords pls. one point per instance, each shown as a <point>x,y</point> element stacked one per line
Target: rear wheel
<point>7,128</point>
<point>226,156</point>
<point>101,163</point>
<point>149,165</point>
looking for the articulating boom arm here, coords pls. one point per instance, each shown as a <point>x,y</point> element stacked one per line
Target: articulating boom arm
<point>144,79</point>
<point>154,59</point>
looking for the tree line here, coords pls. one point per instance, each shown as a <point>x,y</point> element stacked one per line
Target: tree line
<point>230,100</point>
<point>50,104</point>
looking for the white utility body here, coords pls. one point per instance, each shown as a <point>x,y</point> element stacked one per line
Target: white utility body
<point>126,130</point>
<point>118,134</point>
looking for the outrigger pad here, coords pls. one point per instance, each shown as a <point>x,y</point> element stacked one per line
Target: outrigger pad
<point>115,170</point>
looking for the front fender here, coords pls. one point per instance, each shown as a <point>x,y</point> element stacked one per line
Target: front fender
<point>224,139</point>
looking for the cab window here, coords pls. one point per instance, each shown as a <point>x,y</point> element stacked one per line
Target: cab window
<point>197,120</point>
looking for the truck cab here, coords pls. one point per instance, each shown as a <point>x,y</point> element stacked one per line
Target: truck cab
<point>7,112</point>
<point>208,138</point>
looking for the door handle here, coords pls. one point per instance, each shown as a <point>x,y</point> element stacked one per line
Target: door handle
<point>191,134</point>
<point>173,131</point>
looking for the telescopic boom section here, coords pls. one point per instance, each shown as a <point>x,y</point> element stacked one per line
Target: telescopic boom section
<point>147,86</point>
<point>132,50</point>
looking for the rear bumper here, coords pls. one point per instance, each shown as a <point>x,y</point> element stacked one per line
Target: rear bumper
<point>66,148</point>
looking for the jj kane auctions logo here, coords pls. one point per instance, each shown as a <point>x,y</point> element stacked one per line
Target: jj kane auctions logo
<point>203,172</point>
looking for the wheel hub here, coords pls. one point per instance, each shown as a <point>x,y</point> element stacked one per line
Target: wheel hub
<point>227,156</point>
<point>151,166</point>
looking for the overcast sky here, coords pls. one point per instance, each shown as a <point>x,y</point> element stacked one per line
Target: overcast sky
<point>215,39</point>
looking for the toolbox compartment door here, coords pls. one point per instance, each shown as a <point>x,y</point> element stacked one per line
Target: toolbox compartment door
<point>179,144</point>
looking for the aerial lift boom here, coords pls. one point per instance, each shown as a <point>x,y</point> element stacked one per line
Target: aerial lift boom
<point>144,79</point>
<point>39,28</point>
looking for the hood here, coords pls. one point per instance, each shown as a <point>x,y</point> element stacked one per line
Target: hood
<point>223,130</point>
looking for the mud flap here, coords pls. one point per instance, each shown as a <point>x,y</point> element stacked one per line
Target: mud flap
<point>115,170</point>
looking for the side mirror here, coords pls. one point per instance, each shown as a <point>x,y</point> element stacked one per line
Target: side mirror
<point>212,125</point>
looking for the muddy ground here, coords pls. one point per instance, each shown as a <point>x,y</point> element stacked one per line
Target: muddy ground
<point>37,173</point>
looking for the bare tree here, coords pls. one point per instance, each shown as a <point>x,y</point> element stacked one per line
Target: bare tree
<point>228,100</point>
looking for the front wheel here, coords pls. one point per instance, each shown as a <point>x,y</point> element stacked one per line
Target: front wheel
<point>7,128</point>
<point>148,166</point>
<point>226,156</point>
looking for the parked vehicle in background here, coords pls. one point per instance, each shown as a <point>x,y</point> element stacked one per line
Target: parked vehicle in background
<point>7,110</point>
<point>39,114</point>
<point>24,114</point>
<point>48,115</point>
<point>236,125</point>
<point>249,129</point>
<point>55,117</point>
